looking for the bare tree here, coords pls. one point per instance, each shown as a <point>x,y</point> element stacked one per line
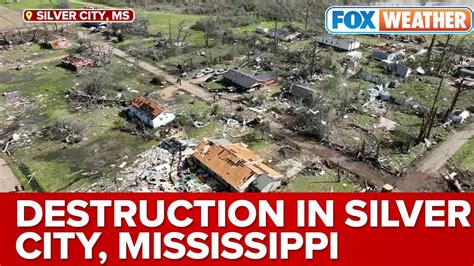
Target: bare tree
<point>209,30</point>
<point>445,49</point>
<point>430,49</point>
<point>64,130</point>
<point>460,88</point>
<point>429,118</point>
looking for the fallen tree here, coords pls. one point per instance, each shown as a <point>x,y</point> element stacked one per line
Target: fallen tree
<point>64,130</point>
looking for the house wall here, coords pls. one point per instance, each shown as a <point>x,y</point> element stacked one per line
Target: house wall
<point>159,121</point>
<point>269,82</point>
<point>341,44</point>
<point>163,119</point>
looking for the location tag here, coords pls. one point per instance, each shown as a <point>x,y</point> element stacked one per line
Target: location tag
<point>28,15</point>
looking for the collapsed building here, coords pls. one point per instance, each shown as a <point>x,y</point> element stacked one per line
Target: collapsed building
<point>76,62</point>
<point>236,167</point>
<point>299,94</point>
<point>56,42</point>
<point>150,113</point>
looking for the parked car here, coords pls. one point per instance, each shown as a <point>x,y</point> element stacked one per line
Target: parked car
<point>198,75</point>
<point>221,71</point>
<point>207,71</point>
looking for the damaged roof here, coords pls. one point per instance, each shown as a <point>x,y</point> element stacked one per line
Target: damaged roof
<point>149,106</point>
<point>57,42</point>
<point>381,55</point>
<point>77,61</point>
<point>233,162</point>
<point>242,79</point>
<point>266,76</point>
<point>260,183</point>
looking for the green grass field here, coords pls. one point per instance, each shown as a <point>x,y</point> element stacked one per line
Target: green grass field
<point>161,21</point>
<point>28,52</point>
<point>465,156</point>
<point>19,5</point>
<point>57,165</point>
<point>321,183</point>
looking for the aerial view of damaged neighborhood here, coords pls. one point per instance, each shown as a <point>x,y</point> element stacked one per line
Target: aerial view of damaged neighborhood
<point>230,95</point>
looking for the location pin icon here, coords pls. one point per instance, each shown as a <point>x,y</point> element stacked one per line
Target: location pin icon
<point>29,14</point>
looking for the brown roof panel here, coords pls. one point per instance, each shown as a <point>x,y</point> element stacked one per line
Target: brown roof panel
<point>234,163</point>
<point>148,105</point>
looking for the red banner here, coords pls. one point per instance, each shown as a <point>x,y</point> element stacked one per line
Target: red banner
<point>78,15</point>
<point>232,229</point>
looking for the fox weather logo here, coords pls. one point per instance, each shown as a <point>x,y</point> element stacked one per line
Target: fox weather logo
<point>403,20</point>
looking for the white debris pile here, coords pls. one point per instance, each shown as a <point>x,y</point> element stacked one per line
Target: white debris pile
<point>159,170</point>
<point>290,167</point>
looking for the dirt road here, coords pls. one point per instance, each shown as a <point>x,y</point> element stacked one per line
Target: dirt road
<point>435,160</point>
<point>191,88</point>
<point>8,180</point>
<point>363,170</point>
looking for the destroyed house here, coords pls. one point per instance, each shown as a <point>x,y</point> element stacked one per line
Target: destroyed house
<point>57,42</point>
<point>263,183</point>
<point>235,166</point>
<point>148,112</point>
<point>381,56</point>
<point>266,78</point>
<point>76,62</point>
<point>283,35</point>
<point>298,93</point>
<point>402,70</point>
<point>337,42</point>
<point>246,81</point>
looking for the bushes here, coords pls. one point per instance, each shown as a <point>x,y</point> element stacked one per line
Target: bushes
<point>158,80</point>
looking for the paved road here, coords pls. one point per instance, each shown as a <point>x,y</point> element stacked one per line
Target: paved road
<point>8,181</point>
<point>435,160</point>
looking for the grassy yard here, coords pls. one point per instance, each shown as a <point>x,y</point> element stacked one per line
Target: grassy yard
<point>252,27</point>
<point>465,156</point>
<point>57,165</point>
<point>321,183</point>
<point>19,5</point>
<point>161,21</point>
<point>28,52</point>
